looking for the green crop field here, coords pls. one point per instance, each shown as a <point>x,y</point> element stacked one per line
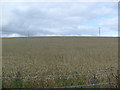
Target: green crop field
<point>29,57</point>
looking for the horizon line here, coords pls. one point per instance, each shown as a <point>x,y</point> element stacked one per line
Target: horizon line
<point>59,36</point>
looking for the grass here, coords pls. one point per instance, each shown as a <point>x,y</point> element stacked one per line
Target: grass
<point>59,56</point>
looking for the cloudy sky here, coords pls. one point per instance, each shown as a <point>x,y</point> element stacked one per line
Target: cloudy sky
<point>59,19</point>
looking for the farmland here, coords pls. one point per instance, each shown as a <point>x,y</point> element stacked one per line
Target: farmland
<point>28,57</point>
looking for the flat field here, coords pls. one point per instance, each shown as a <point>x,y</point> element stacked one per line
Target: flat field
<point>25,58</point>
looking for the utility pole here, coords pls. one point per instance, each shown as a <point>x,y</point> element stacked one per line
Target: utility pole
<point>99,31</point>
<point>28,33</point>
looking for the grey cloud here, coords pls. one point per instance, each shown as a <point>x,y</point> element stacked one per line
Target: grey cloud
<point>55,18</point>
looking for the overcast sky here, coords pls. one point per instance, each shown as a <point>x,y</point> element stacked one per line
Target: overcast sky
<point>59,18</point>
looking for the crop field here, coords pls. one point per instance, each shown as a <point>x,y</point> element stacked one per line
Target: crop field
<point>39,62</point>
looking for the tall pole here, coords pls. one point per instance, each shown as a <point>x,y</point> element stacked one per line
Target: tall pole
<point>99,31</point>
<point>28,33</point>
